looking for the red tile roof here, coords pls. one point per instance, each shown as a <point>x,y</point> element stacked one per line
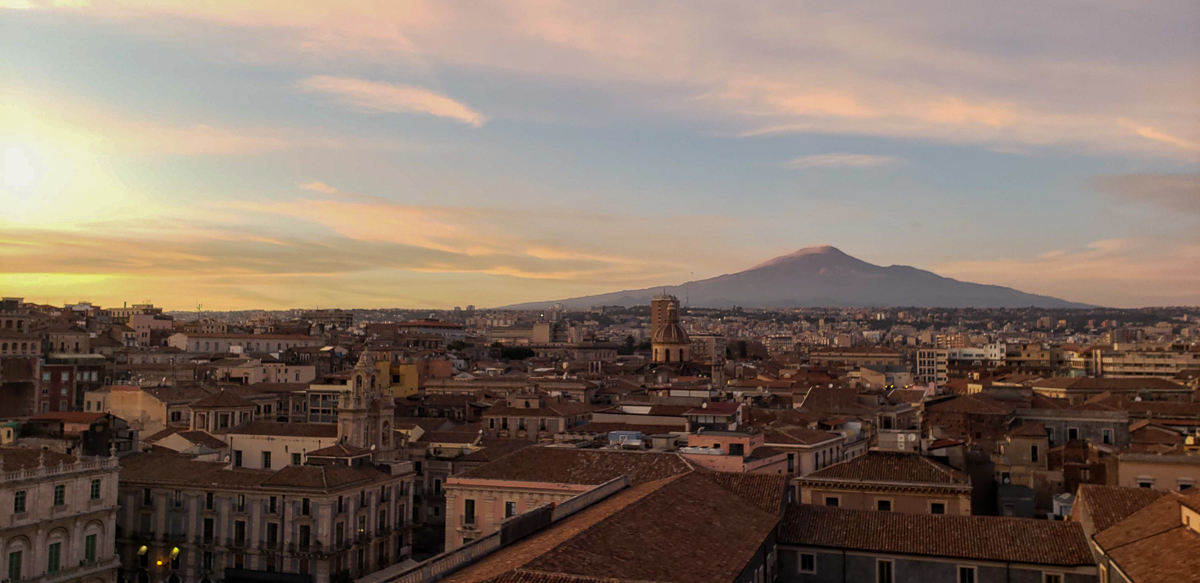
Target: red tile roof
<point>983,538</point>
<point>1107,505</point>
<point>577,466</point>
<point>880,466</point>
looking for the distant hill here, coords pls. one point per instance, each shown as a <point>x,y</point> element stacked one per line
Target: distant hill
<point>824,277</point>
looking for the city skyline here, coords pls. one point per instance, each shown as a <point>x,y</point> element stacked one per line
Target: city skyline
<point>432,155</point>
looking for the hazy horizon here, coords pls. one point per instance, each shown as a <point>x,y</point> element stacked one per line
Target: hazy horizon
<point>279,155</point>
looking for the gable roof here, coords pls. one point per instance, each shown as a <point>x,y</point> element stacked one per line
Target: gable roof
<point>1107,505</point>
<point>1153,544</point>
<point>976,403</point>
<point>891,467</point>
<point>984,538</point>
<point>28,458</point>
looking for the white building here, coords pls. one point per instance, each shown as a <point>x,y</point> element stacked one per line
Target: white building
<point>931,366</point>
<point>58,518</point>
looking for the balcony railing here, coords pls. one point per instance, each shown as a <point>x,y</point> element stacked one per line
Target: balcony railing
<point>468,522</point>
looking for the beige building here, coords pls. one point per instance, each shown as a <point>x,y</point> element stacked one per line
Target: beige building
<point>218,342</point>
<point>190,521</point>
<point>1170,472</point>
<point>534,416</point>
<point>59,517</point>
<point>889,482</point>
<point>478,500</point>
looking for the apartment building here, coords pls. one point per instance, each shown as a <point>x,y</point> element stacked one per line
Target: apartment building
<point>184,520</point>
<point>226,342</point>
<point>478,500</point>
<point>58,521</point>
<point>932,364</point>
<point>820,544</point>
<point>889,482</point>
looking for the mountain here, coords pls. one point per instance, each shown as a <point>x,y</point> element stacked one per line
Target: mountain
<point>825,277</point>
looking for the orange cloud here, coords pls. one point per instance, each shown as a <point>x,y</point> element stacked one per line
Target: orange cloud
<point>372,97</point>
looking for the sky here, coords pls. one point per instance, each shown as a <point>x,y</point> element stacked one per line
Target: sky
<point>279,154</point>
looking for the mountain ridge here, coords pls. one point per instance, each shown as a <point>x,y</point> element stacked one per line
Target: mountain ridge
<point>824,276</point>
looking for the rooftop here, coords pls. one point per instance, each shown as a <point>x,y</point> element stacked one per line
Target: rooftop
<point>981,538</point>
<point>891,467</point>
<point>578,466</point>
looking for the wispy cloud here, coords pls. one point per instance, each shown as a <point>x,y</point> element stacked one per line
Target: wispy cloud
<point>835,160</point>
<point>1156,135</point>
<point>374,97</point>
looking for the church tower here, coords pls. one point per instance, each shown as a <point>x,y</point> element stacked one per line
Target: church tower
<point>365,413</point>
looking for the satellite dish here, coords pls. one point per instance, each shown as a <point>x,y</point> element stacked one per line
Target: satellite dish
<point>912,436</point>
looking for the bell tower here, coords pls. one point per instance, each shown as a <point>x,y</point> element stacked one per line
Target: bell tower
<point>365,413</point>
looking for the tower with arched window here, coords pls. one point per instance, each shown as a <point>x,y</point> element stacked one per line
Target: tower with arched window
<point>365,412</point>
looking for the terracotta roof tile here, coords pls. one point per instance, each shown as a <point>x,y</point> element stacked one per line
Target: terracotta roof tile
<point>576,466</point>
<point>880,466</point>
<point>222,399</point>
<point>24,458</point>
<point>984,538</point>
<point>1109,504</point>
<point>286,429</point>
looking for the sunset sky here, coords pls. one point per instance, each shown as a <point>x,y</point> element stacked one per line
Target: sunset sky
<point>274,154</point>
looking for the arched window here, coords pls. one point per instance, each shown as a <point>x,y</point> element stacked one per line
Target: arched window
<point>4,348</point>
<point>667,352</point>
<point>358,381</point>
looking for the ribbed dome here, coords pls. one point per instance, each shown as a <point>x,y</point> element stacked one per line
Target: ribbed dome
<point>670,333</point>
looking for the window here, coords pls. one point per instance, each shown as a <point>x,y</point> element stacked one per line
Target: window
<point>1108,436</point>
<point>469,511</point>
<point>1033,453</point>
<point>53,557</point>
<point>808,563</point>
<point>14,566</point>
<point>271,506</point>
<point>266,457</point>
<point>883,505</point>
<point>1144,482</point>
<point>223,420</point>
<point>89,548</point>
<point>339,534</point>
<point>60,495</point>
<point>966,575</point>
<point>832,501</point>
<point>208,500</point>
<point>1009,510</point>
<point>241,503</point>
<point>937,507</point>
<point>510,509</point>
<point>1052,578</point>
<point>295,459</point>
<point>272,534</point>
<point>208,560</point>
<point>1072,433</point>
<point>178,499</point>
<point>305,536</point>
<point>237,458</point>
<point>95,494</point>
<point>19,502</point>
<point>884,571</point>
<point>239,532</point>
<point>304,507</point>
<point>1186,484</point>
<point>208,529</point>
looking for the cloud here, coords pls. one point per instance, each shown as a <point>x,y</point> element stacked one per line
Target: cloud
<point>372,97</point>
<point>1153,134</point>
<point>1172,192</point>
<point>979,73</point>
<point>832,160</point>
<point>323,188</point>
<point>1112,272</point>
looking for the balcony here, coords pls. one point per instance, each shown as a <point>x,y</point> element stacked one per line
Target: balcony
<point>205,540</point>
<point>76,573</point>
<point>468,523</point>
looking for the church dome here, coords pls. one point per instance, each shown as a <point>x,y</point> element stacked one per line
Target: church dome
<point>669,333</point>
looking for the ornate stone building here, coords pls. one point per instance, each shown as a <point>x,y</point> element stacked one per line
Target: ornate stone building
<point>57,517</point>
<point>365,413</point>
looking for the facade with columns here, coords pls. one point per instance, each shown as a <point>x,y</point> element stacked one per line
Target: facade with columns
<point>57,517</point>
